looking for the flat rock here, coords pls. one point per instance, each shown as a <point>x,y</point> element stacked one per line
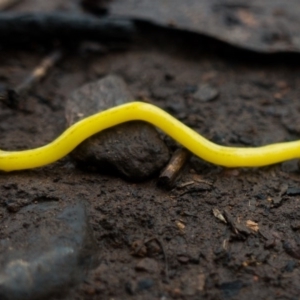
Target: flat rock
<point>47,249</point>
<point>265,26</point>
<point>133,149</point>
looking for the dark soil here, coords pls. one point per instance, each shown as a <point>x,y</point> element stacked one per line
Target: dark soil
<point>167,244</point>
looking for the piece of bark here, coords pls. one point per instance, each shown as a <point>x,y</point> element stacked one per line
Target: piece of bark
<point>134,149</point>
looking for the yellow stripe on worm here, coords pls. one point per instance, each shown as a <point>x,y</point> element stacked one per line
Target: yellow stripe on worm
<point>201,147</point>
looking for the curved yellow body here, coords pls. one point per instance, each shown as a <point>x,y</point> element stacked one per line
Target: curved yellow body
<point>201,147</point>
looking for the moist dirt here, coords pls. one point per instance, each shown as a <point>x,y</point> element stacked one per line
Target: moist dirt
<point>155,243</point>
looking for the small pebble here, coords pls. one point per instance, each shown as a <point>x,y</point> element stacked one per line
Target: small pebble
<point>184,259</point>
<point>290,266</point>
<point>147,265</point>
<point>231,289</point>
<point>292,248</point>
<point>206,93</point>
<point>145,284</point>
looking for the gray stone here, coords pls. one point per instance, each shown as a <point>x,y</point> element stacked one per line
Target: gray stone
<point>133,149</point>
<point>96,96</point>
<point>206,93</point>
<point>47,250</point>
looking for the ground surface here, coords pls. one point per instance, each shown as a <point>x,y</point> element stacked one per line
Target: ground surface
<point>167,244</point>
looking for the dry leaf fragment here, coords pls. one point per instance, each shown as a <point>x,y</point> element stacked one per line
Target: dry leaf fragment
<point>252,225</point>
<point>218,215</point>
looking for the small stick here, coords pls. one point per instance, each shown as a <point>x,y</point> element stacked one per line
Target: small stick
<point>6,4</point>
<point>175,165</point>
<point>13,95</point>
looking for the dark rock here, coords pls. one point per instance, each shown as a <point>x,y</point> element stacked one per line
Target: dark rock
<point>292,248</point>
<point>290,266</point>
<point>206,93</point>
<point>133,149</point>
<point>236,22</point>
<point>145,284</point>
<point>134,286</point>
<point>261,196</point>
<point>47,255</point>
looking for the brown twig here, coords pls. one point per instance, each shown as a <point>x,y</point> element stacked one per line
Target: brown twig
<point>172,170</point>
<point>6,4</point>
<point>12,96</point>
